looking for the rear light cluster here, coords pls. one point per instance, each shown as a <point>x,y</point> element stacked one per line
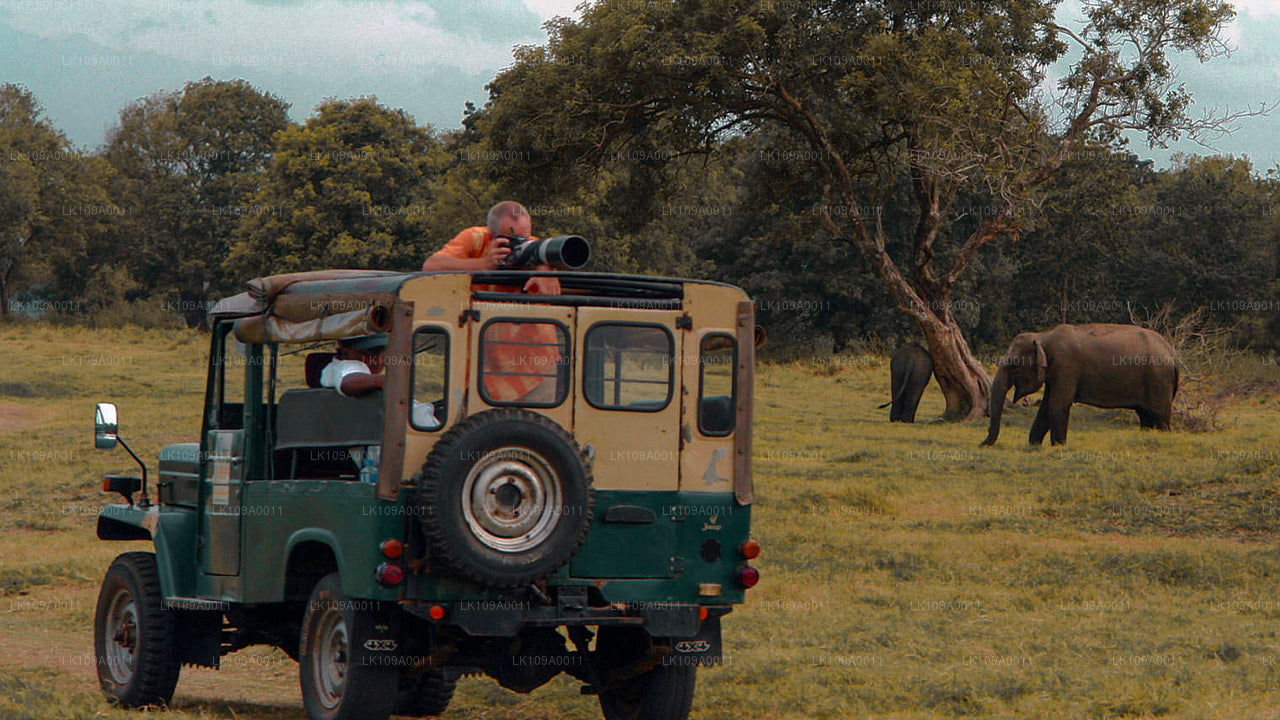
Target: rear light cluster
<point>390,573</point>
<point>747,576</point>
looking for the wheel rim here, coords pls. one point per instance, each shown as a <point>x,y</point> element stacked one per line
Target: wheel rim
<point>121,641</point>
<point>510,499</point>
<point>329,666</point>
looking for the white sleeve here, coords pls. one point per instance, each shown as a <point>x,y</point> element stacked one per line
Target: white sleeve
<point>337,370</point>
<point>424,415</point>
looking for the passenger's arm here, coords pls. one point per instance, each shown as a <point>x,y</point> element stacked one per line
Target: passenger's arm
<point>359,383</point>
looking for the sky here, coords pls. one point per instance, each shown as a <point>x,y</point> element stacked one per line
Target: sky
<point>86,59</point>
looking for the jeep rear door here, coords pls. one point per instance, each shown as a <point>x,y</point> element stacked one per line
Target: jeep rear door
<point>628,401</point>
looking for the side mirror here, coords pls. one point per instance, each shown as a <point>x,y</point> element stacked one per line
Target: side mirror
<point>105,427</point>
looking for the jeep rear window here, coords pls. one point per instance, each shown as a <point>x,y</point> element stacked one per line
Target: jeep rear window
<point>628,367</point>
<point>430,387</point>
<point>717,401</point>
<point>524,362</point>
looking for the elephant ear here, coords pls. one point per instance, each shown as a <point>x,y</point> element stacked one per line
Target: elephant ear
<point>1042,362</point>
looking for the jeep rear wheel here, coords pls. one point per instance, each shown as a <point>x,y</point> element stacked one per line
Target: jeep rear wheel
<point>133,634</point>
<point>507,497</point>
<point>663,693</point>
<point>335,684</point>
<point>426,696</point>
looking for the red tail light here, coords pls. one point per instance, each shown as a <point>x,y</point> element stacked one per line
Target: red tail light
<point>389,574</point>
<point>747,576</point>
<point>750,549</point>
<point>392,548</point>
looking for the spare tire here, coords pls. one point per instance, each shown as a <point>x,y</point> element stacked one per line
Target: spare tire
<point>506,497</point>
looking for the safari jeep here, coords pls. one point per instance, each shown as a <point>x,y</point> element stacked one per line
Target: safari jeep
<point>544,484</point>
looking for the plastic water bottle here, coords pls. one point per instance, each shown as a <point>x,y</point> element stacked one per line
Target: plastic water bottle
<point>369,472</point>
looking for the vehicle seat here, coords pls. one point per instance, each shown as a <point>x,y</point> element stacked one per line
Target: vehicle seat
<point>716,413</point>
<point>315,364</point>
<point>322,420</point>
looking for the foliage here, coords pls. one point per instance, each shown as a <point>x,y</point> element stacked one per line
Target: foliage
<point>52,203</point>
<point>349,188</point>
<point>188,163</point>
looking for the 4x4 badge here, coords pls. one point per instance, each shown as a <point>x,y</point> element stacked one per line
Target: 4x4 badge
<point>378,645</point>
<point>690,646</point>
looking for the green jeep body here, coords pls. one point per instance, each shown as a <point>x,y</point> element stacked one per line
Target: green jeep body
<point>248,522</point>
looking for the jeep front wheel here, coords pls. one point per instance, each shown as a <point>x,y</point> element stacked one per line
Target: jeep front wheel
<point>336,685</point>
<point>507,497</point>
<point>133,634</point>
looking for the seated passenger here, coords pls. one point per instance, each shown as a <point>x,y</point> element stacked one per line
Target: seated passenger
<point>356,370</point>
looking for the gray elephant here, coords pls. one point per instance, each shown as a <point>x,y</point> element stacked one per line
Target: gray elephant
<point>909,372</point>
<point>1107,366</point>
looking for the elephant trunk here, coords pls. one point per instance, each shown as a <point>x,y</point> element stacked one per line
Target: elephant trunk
<point>999,388</point>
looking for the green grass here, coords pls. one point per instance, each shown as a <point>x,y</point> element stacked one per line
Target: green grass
<point>906,572</point>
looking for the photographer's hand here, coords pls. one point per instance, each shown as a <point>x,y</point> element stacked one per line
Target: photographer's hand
<point>542,285</point>
<point>497,252</point>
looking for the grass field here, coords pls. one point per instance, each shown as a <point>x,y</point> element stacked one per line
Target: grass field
<point>906,572</point>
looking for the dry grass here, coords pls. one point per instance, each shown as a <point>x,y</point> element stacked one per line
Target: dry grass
<point>906,572</point>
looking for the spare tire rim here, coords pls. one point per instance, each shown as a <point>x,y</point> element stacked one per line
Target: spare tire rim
<point>510,499</point>
<point>121,641</point>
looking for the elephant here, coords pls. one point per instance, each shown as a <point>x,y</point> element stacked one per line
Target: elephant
<point>1103,365</point>
<point>909,372</point>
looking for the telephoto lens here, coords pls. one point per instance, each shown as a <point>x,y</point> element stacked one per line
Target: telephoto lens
<point>562,252</point>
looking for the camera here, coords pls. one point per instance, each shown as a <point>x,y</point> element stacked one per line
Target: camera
<point>562,252</point>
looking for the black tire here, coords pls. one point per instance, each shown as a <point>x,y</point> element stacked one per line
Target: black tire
<point>505,460</point>
<point>133,634</point>
<point>334,687</point>
<point>428,696</point>
<point>663,693</point>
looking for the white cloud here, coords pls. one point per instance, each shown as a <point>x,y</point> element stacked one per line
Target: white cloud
<point>1257,9</point>
<point>547,9</point>
<point>329,36</point>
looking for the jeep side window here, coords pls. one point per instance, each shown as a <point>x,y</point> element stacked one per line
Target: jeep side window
<point>229,381</point>
<point>430,379</point>
<point>628,367</point>
<point>717,375</point>
<point>524,362</point>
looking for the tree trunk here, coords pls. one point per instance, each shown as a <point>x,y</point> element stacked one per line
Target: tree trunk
<point>194,307</point>
<point>963,380</point>
<point>4,292</point>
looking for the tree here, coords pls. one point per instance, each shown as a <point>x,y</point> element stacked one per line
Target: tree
<point>349,188</point>
<point>948,94</point>
<point>189,161</point>
<point>52,201</point>
<point>1211,241</point>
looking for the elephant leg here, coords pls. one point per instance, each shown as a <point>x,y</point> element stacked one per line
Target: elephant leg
<point>911,403</point>
<point>1162,416</point>
<point>1058,424</point>
<point>1146,418</point>
<point>1040,425</point>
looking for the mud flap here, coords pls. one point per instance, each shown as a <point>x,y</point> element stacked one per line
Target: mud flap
<point>375,635</point>
<point>701,649</point>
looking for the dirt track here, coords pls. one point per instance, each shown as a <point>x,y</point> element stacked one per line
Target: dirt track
<point>14,417</point>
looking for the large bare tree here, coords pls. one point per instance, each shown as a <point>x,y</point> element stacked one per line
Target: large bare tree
<point>960,96</point>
